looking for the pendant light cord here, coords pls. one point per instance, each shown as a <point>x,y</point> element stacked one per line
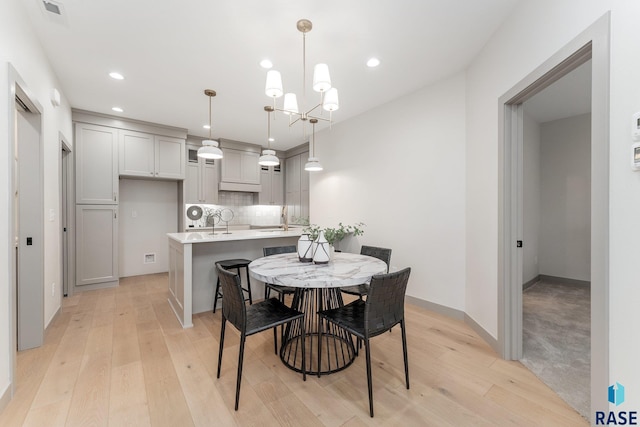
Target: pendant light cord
<point>209,116</point>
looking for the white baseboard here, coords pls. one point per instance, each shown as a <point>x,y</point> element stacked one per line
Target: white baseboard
<point>5,398</point>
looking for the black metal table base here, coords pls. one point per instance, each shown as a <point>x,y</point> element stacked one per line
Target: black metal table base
<point>338,350</point>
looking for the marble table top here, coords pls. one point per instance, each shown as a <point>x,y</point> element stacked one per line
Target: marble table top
<point>344,269</point>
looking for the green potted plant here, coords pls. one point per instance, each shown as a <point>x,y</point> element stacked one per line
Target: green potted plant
<point>335,234</point>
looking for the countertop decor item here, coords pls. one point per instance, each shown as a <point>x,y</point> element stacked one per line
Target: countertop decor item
<point>226,215</point>
<point>194,213</point>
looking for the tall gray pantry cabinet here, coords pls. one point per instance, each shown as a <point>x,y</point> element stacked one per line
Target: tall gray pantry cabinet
<point>96,161</point>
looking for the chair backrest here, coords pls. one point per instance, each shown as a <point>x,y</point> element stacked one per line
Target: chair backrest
<point>385,301</point>
<point>383,254</point>
<point>274,250</point>
<point>233,307</point>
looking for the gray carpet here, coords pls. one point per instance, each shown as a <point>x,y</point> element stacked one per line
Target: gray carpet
<point>557,339</point>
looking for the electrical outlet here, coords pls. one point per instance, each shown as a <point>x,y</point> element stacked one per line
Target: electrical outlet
<point>53,289</point>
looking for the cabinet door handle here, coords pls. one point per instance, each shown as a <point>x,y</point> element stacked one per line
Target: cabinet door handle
<point>151,173</point>
<point>115,215</point>
<point>115,196</point>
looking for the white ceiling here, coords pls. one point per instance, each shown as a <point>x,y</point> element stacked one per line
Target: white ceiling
<point>170,51</point>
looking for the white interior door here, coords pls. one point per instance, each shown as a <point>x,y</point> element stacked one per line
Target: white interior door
<point>30,234</point>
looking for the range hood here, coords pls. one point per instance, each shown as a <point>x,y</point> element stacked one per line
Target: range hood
<point>238,186</point>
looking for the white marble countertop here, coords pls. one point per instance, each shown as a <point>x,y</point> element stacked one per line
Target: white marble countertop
<point>344,269</point>
<point>219,236</point>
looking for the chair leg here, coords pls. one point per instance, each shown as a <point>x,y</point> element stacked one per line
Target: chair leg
<point>367,348</point>
<point>404,350</point>
<point>224,322</point>
<point>320,327</point>
<point>275,340</point>
<point>248,285</point>
<point>304,361</point>
<point>215,295</point>
<point>240,360</point>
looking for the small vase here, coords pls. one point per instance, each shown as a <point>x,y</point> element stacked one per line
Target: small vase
<point>305,248</point>
<point>321,251</point>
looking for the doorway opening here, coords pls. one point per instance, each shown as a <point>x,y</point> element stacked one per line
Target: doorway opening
<point>592,44</point>
<point>557,236</point>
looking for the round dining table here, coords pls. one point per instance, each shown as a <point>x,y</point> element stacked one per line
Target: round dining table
<point>317,288</point>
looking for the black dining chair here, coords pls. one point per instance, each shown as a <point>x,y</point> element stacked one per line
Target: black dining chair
<point>383,308</point>
<point>281,290</point>
<point>250,320</point>
<point>362,289</point>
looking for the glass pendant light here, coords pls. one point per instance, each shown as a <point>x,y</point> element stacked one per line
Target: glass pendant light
<point>268,157</point>
<point>209,149</point>
<point>313,163</point>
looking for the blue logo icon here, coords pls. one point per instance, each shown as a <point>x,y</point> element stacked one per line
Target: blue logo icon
<point>616,393</point>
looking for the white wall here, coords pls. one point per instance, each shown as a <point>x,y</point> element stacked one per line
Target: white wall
<point>531,198</point>
<point>400,169</point>
<point>19,47</point>
<point>534,32</point>
<point>148,210</point>
<point>565,234</point>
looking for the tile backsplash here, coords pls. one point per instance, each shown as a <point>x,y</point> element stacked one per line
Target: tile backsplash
<point>244,211</point>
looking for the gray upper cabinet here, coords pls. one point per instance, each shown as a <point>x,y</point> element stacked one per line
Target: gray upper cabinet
<point>201,178</point>
<point>239,167</point>
<point>151,156</point>
<point>96,164</point>
<point>272,182</point>
<point>297,187</point>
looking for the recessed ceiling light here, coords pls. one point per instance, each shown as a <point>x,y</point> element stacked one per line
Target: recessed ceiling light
<point>116,76</point>
<point>265,63</point>
<point>206,126</point>
<point>373,62</point>
<point>117,109</point>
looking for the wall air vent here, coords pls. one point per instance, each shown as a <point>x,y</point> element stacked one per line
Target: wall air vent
<point>149,258</point>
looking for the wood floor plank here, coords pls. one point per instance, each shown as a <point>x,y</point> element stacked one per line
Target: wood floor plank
<point>52,415</point>
<point>128,404</point>
<point>90,401</point>
<point>118,357</point>
<point>203,398</point>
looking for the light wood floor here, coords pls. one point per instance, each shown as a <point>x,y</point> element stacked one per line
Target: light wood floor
<point>119,357</point>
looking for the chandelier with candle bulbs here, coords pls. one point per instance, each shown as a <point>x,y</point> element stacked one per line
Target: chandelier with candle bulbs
<point>321,83</point>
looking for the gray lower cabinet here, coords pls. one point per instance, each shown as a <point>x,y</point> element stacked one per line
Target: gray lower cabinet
<point>96,244</point>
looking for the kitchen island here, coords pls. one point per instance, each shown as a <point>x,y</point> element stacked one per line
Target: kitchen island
<point>192,257</point>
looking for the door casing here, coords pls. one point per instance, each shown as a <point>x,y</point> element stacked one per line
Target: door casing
<point>592,44</point>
